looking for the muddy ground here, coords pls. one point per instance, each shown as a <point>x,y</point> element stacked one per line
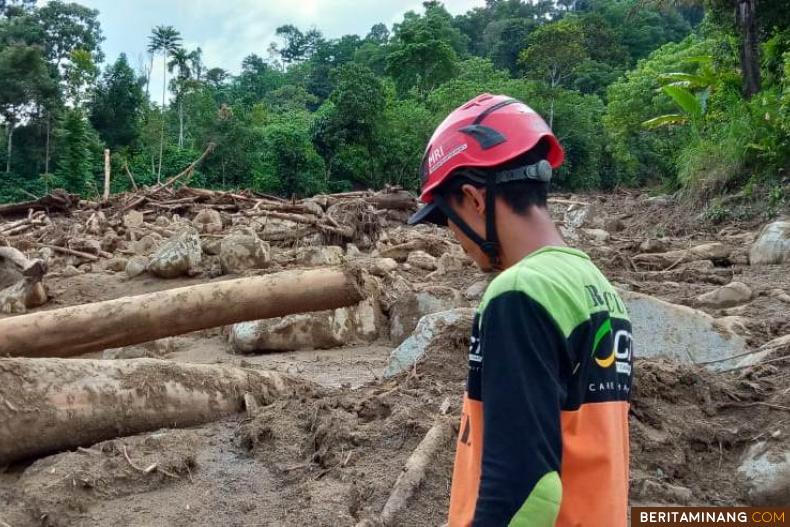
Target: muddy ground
<point>331,455</point>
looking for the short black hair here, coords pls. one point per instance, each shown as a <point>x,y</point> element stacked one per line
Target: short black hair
<point>518,195</point>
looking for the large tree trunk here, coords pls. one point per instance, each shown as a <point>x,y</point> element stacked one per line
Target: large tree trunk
<point>10,146</point>
<point>50,405</point>
<point>750,46</point>
<point>47,154</point>
<point>180,124</point>
<point>162,132</point>
<point>75,330</point>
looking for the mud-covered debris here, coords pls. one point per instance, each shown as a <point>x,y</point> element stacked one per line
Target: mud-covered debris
<point>178,256</point>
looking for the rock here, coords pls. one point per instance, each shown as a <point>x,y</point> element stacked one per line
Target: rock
<point>772,245</point>
<point>136,265</point>
<point>178,256</point>
<point>779,294</point>
<point>421,260</point>
<point>613,225</point>
<point>208,221</point>
<point>711,251</point>
<point>733,324</point>
<point>133,219</point>
<point>352,251</point>
<point>110,241</point>
<point>429,329</point>
<point>662,329</point>
<point>476,290</point>
<point>241,251</point>
<point>211,246</point>
<point>598,235</point>
<point>117,264</point>
<point>85,245</point>
<point>729,295</point>
<point>407,311</point>
<point>329,255</point>
<point>162,221</point>
<point>20,281</point>
<point>578,215</point>
<point>70,271</point>
<point>663,200</point>
<point>652,490</point>
<point>146,245</point>
<point>653,246</point>
<point>321,330</point>
<point>449,263</point>
<point>765,470</point>
<point>383,266</point>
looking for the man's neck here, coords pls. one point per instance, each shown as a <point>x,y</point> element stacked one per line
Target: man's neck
<point>521,235</point>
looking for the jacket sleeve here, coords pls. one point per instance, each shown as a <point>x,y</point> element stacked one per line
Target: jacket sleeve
<point>524,355</point>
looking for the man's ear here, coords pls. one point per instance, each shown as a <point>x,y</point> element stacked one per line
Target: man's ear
<point>476,197</point>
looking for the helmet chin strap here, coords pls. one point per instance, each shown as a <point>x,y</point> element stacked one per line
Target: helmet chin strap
<point>490,245</point>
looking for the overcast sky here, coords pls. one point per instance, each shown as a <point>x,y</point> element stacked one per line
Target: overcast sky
<point>229,30</point>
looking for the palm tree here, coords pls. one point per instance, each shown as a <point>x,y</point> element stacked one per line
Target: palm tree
<point>196,63</point>
<point>181,60</point>
<point>164,40</point>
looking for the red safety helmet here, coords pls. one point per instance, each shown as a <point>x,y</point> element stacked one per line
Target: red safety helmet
<point>485,132</point>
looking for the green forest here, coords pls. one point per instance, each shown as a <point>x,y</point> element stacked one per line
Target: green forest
<point>690,96</point>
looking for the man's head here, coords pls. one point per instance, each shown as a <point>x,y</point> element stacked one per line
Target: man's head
<point>491,157</point>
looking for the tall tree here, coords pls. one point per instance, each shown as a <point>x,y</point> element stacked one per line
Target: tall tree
<point>164,40</point>
<point>180,61</point>
<point>25,82</point>
<point>117,105</point>
<point>553,52</point>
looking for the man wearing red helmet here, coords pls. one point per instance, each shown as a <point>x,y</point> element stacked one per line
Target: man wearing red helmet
<point>544,432</point>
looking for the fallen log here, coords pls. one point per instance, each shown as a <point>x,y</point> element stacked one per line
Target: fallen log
<point>57,200</point>
<point>51,405</point>
<point>75,330</point>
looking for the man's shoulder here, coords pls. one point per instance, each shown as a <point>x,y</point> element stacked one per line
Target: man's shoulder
<point>555,279</point>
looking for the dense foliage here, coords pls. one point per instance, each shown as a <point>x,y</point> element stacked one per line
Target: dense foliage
<point>638,91</point>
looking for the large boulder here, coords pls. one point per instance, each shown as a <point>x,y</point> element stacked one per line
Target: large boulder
<point>133,219</point>
<point>407,311</point>
<point>20,281</point>
<point>241,251</point>
<point>180,255</point>
<point>714,251</point>
<point>765,472</point>
<point>428,331</point>
<point>773,244</point>
<point>208,221</point>
<point>729,295</point>
<point>136,265</point>
<point>320,330</point>
<point>662,329</point>
<point>320,255</point>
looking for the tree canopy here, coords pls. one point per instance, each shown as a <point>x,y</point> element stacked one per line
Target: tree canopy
<point>687,94</point>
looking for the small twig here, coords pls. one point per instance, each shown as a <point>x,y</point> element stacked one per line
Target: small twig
<point>128,459</point>
<point>88,451</point>
<point>65,250</point>
<point>778,359</point>
<point>757,403</point>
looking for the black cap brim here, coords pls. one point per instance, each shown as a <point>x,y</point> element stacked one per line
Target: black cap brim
<point>428,214</point>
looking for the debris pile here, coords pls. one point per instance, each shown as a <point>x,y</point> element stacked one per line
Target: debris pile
<point>259,397</point>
